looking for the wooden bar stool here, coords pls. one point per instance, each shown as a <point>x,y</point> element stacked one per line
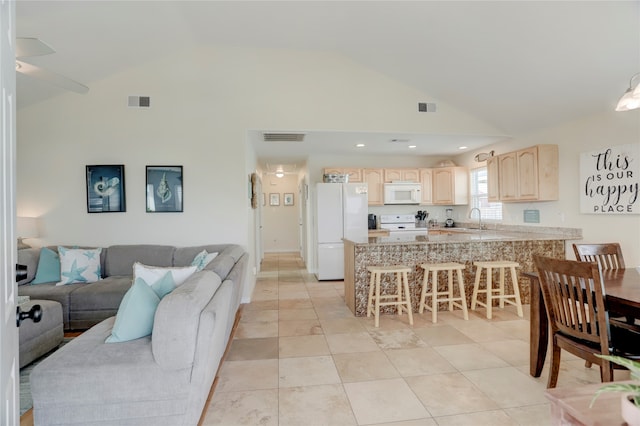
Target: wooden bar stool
<point>496,293</point>
<point>402,298</point>
<point>460,302</point>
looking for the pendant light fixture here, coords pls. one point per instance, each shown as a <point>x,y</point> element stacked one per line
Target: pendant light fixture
<point>631,98</point>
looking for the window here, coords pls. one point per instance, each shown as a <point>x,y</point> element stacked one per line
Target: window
<point>478,190</point>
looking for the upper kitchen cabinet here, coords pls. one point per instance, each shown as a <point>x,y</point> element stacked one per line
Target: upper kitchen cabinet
<point>355,175</point>
<point>426,180</point>
<point>493,180</point>
<point>529,174</point>
<point>375,180</point>
<point>450,185</point>
<point>403,175</point>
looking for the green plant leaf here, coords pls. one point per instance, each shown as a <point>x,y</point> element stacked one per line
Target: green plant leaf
<point>633,389</point>
<point>616,387</point>
<point>633,366</point>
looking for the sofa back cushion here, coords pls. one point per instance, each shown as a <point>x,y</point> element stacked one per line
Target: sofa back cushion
<point>29,257</point>
<point>119,259</point>
<point>175,329</point>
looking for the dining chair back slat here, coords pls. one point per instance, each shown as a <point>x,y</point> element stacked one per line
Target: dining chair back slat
<point>607,255</point>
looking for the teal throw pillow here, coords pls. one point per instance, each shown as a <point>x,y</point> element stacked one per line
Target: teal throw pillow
<point>202,259</point>
<point>79,265</point>
<point>136,313</point>
<point>48,267</point>
<point>163,286</point>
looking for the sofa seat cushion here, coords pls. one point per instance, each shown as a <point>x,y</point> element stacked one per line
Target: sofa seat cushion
<point>175,328</point>
<point>89,380</point>
<point>105,294</point>
<point>119,259</point>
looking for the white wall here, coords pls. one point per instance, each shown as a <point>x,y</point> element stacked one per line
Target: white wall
<point>280,231</point>
<point>202,103</point>
<point>588,134</point>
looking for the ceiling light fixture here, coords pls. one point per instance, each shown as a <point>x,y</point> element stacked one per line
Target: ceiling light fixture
<point>360,145</point>
<point>412,146</point>
<point>279,173</point>
<point>462,147</point>
<point>631,98</point>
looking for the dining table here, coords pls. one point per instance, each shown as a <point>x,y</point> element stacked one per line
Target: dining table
<point>622,289</point>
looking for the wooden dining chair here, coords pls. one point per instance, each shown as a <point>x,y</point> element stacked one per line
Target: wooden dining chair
<point>607,255</point>
<point>574,299</point>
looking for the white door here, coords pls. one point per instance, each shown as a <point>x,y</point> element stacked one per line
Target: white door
<point>329,213</point>
<point>330,261</point>
<point>356,207</point>
<point>9,379</point>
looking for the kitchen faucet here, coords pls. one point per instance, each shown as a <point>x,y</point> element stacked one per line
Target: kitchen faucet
<point>479,216</point>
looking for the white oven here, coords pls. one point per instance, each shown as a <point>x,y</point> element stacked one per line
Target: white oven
<point>402,193</point>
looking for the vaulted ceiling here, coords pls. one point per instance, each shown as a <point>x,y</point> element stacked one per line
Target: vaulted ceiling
<point>517,65</point>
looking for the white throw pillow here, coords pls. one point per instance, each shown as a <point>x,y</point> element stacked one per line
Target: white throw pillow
<point>153,274</point>
<point>79,265</point>
<point>202,259</point>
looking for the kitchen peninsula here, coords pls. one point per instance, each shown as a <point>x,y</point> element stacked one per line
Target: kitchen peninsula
<point>517,243</point>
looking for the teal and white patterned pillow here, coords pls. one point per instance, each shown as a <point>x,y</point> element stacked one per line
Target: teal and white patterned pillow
<point>152,274</point>
<point>202,259</point>
<point>79,265</point>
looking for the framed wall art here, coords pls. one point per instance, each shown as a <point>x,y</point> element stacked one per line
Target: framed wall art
<point>253,190</point>
<point>274,199</point>
<point>610,180</point>
<point>105,188</point>
<point>288,198</point>
<point>164,187</point>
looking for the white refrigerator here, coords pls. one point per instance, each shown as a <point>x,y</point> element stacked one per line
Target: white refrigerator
<point>341,212</point>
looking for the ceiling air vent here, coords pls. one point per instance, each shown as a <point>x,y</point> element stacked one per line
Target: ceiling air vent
<point>139,101</point>
<point>426,107</point>
<point>283,137</point>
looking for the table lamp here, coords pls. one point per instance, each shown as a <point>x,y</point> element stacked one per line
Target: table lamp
<point>26,227</point>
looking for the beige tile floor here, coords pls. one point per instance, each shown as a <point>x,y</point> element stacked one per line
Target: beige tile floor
<point>300,357</point>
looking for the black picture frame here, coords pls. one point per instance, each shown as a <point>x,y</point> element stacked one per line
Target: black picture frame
<point>164,189</point>
<point>106,188</point>
<point>288,199</point>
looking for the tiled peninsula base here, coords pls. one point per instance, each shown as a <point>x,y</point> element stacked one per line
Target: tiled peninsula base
<point>360,255</point>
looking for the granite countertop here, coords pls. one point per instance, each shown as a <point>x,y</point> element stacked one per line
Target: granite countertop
<point>462,235</point>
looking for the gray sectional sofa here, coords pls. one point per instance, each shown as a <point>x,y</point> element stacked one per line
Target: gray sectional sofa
<point>84,305</point>
<point>161,379</point>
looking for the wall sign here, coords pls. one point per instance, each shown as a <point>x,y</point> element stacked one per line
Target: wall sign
<point>610,180</point>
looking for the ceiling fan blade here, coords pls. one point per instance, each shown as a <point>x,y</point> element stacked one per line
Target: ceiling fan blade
<point>51,77</point>
<point>29,46</point>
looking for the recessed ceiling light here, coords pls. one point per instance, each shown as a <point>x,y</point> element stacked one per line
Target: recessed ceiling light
<point>463,147</point>
<point>360,145</point>
<point>411,146</point>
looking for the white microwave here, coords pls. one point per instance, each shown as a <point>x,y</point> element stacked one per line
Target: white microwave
<point>402,193</point>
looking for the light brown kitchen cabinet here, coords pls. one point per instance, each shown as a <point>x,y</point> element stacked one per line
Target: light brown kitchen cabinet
<point>355,175</point>
<point>508,176</point>
<point>530,174</point>
<point>403,175</point>
<point>426,180</point>
<point>493,180</point>
<point>450,186</point>
<point>374,179</point>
